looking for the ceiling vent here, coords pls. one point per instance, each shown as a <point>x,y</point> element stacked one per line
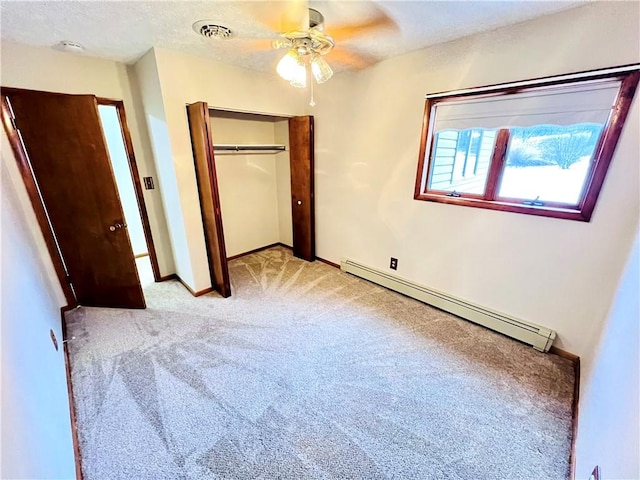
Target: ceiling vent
<point>210,29</point>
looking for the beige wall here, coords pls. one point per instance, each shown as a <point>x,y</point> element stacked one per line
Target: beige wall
<point>49,70</point>
<point>185,79</point>
<point>557,273</point>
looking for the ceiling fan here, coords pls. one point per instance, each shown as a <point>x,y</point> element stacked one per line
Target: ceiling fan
<point>302,33</point>
<point>305,48</point>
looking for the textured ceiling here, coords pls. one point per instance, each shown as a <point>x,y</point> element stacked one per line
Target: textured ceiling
<point>125,30</point>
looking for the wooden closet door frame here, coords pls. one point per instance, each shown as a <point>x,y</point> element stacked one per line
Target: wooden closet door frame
<point>135,178</point>
<point>208,191</point>
<point>209,197</point>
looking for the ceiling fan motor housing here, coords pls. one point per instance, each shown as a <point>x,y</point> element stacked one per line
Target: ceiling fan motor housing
<point>316,19</point>
<point>306,43</point>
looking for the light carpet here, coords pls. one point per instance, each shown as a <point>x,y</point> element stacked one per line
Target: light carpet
<point>310,373</point>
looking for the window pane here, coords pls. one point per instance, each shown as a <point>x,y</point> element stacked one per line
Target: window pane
<point>461,160</point>
<point>549,162</point>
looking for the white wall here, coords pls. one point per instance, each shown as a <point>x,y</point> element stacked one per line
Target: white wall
<point>36,429</point>
<point>180,80</point>
<point>609,413</point>
<point>147,86</point>
<point>557,273</point>
<point>247,184</point>
<point>45,69</point>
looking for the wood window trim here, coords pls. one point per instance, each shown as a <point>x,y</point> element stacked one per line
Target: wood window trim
<point>497,163</point>
<point>629,76</point>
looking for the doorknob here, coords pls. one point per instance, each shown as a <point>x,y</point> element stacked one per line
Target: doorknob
<point>299,202</point>
<point>113,228</point>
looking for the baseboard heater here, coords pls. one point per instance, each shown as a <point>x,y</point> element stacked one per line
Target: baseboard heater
<point>540,338</point>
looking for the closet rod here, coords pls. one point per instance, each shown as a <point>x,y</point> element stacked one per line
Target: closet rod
<point>242,148</point>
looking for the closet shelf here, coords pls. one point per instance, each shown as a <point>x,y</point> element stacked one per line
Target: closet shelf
<point>249,148</point>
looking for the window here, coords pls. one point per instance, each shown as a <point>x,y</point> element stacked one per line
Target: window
<point>539,147</point>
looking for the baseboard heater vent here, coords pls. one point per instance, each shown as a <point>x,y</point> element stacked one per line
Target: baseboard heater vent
<point>540,338</point>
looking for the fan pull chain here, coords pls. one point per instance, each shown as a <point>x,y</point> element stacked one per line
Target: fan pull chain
<point>312,103</point>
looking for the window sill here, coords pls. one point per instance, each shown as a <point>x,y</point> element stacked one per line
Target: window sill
<point>541,211</point>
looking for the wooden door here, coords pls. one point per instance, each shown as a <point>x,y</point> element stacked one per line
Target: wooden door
<point>202,145</point>
<point>65,147</point>
<point>302,188</point>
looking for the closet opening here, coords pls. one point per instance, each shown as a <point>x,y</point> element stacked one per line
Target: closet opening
<point>255,176</point>
<point>254,180</point>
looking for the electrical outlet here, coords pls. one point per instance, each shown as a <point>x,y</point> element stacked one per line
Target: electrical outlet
<point>393,265</point>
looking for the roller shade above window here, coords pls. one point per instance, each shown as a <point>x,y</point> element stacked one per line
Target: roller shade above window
<point>554,105</point>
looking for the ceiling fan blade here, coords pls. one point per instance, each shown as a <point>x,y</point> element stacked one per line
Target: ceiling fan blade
<point>380,21</point>
<point>350,59</point>
<point>281,16</point>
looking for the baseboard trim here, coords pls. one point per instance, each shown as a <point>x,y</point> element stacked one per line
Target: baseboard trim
<point>72,405</point>
<point>256,250</point>
<point>171,276</point>
<point>575,359</point>
<point>564,354</point>
<point>331,264</point>
<point>199,293</point>
<point>192,291</point>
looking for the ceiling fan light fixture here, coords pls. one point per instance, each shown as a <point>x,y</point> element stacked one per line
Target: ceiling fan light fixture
<point>299,78</point>
<point>291,68</point>
<point>320,69</point>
